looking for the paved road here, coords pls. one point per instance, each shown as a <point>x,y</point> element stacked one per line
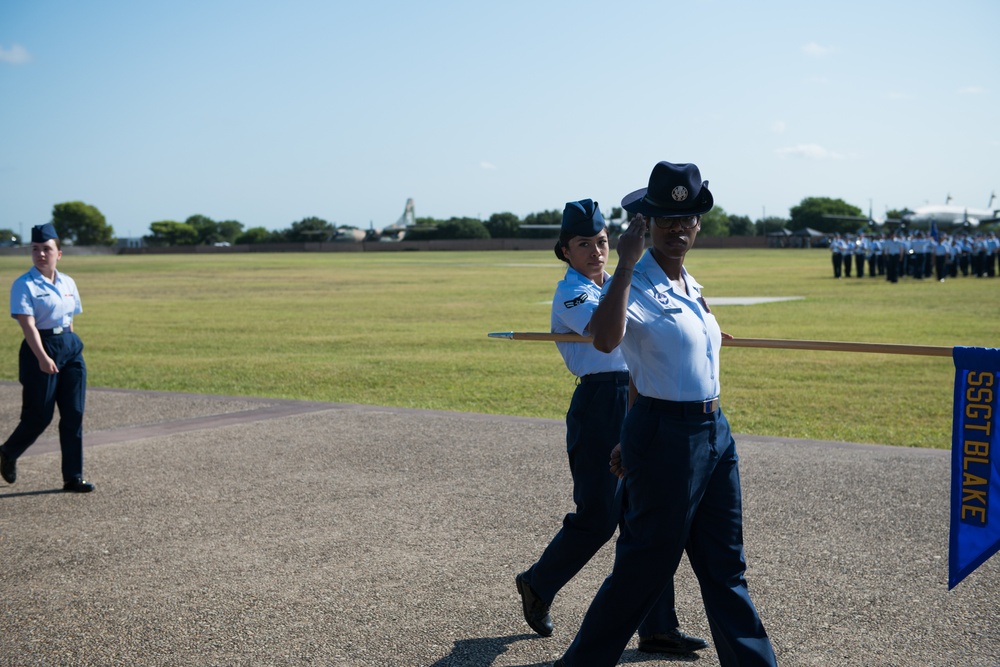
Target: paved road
<point>241,531</point>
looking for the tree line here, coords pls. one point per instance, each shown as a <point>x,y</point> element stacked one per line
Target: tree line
<point>83,224</point>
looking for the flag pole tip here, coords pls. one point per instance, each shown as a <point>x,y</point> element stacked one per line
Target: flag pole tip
<point>501,334</point>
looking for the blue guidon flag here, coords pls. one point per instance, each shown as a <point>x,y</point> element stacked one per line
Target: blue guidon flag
<point>975,462</point>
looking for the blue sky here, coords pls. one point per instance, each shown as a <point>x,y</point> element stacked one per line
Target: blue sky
<point>268,112</point>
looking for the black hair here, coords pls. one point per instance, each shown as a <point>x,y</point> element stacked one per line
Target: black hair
<point>563,242</point>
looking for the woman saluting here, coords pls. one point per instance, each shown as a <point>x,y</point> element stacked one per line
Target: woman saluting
<point>679,458</point>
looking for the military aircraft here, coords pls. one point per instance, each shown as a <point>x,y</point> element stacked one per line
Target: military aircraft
<point>344,235</point>
<point>945,217</point>
<point>393,232</point>
<point>397,230</point>
<point>950,216</point>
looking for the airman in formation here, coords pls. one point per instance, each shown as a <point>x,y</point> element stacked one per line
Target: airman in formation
<point>917,255</point>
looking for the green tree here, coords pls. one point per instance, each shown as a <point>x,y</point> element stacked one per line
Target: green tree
<point>552,218</point>
<point>307,230</point>
<point>206,229</point>
<point>8,237</point>
<point>503,225</point>
<point>81,224</point>
<point>823,214</point>
<point>171,233</point>
<point>462,228</point>
<point>210,232</point>
<point>740,225</point>
<point>423,229</point>
<point>770,224</point>
<point>229,230</point>
<point>715,223</point>
<point>255,235</point>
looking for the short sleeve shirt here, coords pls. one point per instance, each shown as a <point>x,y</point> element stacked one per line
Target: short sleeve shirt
<point>52,304</point>
<point>672,340</point>
<point>573,305</point>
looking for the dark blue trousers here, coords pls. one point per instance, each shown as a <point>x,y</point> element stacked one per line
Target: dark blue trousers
<point>593,427</point>
<point>892,269</point>
<point>683,487</point>
<point>40,395</point>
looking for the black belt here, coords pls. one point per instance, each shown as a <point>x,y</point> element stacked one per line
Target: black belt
<point>54,332</point>
<point>619,377</point>
<point>679,408</point>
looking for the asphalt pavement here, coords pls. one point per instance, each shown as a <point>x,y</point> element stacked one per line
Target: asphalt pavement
<point>244,531</point>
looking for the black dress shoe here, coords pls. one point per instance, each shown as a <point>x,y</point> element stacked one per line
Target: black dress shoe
<point>78,486</point>
<point>8,469</point>
<point>674,641</point>
<point>536,612</point>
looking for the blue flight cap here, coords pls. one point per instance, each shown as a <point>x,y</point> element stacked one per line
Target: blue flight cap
<point>582,218</point>
<point>42,233</point>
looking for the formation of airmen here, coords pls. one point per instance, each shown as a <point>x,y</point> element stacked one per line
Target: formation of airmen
<point>917,255</point>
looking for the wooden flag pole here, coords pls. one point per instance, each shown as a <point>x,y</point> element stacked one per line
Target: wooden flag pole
<point>768,343</point>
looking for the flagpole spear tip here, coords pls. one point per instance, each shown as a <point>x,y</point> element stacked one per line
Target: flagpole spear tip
<point>502,334</point>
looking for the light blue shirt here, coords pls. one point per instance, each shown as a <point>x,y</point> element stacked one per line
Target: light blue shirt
<point>51,304</point>
<point>672,341</point>
<point>573,305</point>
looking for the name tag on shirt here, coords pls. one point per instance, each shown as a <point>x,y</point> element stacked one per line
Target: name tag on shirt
<point>663,299</point>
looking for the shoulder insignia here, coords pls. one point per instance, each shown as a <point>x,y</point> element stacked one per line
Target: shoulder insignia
<point>572,303</point>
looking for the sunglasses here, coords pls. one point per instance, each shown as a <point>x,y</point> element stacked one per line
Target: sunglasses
<point>688,222</point>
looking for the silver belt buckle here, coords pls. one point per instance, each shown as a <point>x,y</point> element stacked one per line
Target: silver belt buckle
<point>57,330</point>
<point>711,406</point>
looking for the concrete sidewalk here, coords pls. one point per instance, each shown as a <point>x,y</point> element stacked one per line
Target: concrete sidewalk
<point>241,531</point>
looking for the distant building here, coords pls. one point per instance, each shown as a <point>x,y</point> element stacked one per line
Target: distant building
<point>131,242</point>
<point>778,238</point>
<point>808,237</point>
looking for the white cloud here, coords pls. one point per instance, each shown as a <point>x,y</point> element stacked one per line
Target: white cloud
<point>15,55</point>
<point>815,50</point>
<point>972,90</point>
<point>778,127</point>
<point>808,152</point>
<point>487,165</point>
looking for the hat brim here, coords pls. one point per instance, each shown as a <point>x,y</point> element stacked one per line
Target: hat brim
<point>637,202</point>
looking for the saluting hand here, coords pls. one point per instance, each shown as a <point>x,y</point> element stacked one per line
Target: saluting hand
<point>632,241</point>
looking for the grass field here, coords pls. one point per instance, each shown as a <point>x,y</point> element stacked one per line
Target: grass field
<point>409,329</point>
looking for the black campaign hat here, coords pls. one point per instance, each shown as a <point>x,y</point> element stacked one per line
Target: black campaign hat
<point>674,191</point>
<point>582,218</point>
<point>42,233</point>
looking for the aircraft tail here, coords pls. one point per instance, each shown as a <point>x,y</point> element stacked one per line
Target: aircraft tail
<point>408,219</point>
